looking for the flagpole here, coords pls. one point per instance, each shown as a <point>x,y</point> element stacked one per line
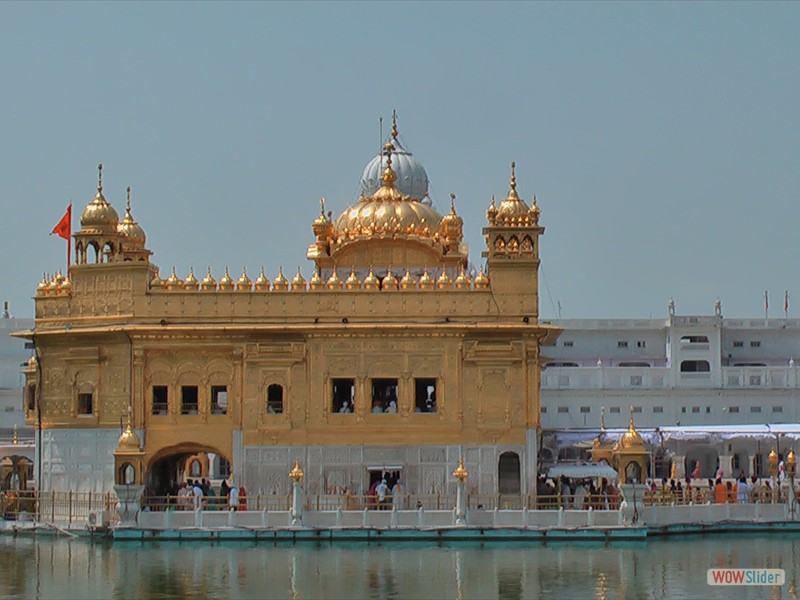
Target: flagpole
<point>69,240</point>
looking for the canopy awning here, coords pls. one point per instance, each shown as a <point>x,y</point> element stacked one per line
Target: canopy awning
<point>581,471</point>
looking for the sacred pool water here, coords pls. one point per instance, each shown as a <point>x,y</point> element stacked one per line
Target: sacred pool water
<point>662,568</point>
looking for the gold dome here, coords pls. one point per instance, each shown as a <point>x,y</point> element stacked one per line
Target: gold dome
<point>245,283</point>
<point>316,284</point>
<point>280,284</point>
<point>491,212</point>
<point>156,281</point>
<point>129,440</point>
<point>452,224</point>
<point>41,289</point>
<point>481,280</point>
<point>262,283</point>
<point>172,282</point>
<point>426,281</point>
<point>99,216</point>
<point>65,287</point>
<point>389,282</point>
<point>129,229</point>
<point>352,282</point>
<point>444,282</point>
<point>298,282</point>
<point>190,283</point>
<point>334,282</point>
<point>463,281</point>
<point>388,212</point>
<point>372,282</point>
<point>209,284</point>
<point>323,228</point>
<point>226,282</point>
<point>631,438</point>
<point>513,211</point>
<point>408,282</point>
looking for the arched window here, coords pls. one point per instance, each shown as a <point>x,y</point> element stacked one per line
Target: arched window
<point>126,475</point>
<point>695,366</point>
<point>275,399</point>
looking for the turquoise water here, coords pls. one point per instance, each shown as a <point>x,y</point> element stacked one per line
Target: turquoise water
<point>662,568</point>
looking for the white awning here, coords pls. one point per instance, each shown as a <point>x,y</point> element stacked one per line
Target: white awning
<point>581,471</point>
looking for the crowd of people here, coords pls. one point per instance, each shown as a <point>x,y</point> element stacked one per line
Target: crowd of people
<point>577,494</point>
<point>200,494</point>
<point>717,490</point>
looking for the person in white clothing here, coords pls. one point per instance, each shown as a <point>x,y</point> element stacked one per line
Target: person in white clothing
<point>381,490</point>
<point>233,498</point>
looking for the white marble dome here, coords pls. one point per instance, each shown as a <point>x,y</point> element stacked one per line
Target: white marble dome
<point>412,180</point>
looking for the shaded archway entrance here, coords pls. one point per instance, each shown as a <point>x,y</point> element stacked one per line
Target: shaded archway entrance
<point>508,473</point>
<point>15,471</point>
<point>171,466</point>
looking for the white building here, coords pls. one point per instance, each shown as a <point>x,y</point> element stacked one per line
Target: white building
<point>701,371</point>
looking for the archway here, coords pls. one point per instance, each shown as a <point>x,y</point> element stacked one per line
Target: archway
<point>508,473</point>
<point>168,468</point>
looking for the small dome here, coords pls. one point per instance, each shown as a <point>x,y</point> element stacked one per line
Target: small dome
<point>463,281</point>
<point>372,282</point>
<point>281,284</point>
<point>352,282</point>
<point>226,282</point>
<point>172,282</point>
<point>444,282</point>
<point>452,224</point>
<point>262,283</point>
<point>41,289</point>
<point>129,229</point>
<point>156,281</point>
<point>298,282</point>
<point>631,438</point>
<point>245,283</point>
<point>512,209</point>
<point>129,440</point>
<point>190,283</point>
<point>209,284</point>
<point>99,215</point>
<point>426,281</point>
<point>481,281</point>
<point>334,282</point>
<point>408,282</point>
<point>389,282</point>
<point>315,283</point>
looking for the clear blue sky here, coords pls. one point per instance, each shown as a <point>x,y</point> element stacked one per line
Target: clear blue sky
<point>662,139</point>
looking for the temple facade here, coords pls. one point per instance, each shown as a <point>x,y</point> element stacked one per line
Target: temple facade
<point>394,355</point>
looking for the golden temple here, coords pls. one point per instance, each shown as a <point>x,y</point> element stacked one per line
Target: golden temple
<point>394,353</point>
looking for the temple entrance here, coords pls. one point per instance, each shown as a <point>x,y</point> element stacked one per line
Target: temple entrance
<point>389,474</point>
<point>173,466</point>
<point>15,472</point>
<point>508,473</point>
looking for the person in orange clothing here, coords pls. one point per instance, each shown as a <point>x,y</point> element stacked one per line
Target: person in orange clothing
<point>720,492</point>
<point>731,490</point>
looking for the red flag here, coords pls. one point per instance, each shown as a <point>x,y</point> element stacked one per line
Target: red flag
<point>64,227</point>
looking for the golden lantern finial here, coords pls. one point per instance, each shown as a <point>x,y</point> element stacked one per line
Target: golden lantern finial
<point>460,473</point>
<point>773,463</point>
<point>394,124</point>
<point>15,436</point>
<point>512,193</point>
<point>100,178</point>
<point>296,474</point>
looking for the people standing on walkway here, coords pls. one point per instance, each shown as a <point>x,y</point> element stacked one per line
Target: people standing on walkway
<point>696,471</point>
<point>743,490</point>
<point>233,497</point>
<point>720,492</point>
<point>198,495</point>
<point>381,490</point>
<point>398,493</point>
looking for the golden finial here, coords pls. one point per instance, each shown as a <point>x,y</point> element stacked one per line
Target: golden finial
<point>452,203</point>
<point>296,474</point>
<point>100,178</point>
<point>512,193</point>
<point>298,282</point>
<point>128,200</point>
<point>394,124</point>
<point>371,282</point>
<point>460,473</point>
<point>15,436</point>
<point>322,206</point>
<point>389,176</point>
<point>352,282</point>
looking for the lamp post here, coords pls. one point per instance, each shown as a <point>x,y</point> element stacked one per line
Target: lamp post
<point>296,475</point>
<point>461,497</point>
<point>773,471</point>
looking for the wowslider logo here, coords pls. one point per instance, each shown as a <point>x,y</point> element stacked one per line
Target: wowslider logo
<point>746,577</point>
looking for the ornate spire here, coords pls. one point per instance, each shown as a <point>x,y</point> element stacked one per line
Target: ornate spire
<point>394,124</point>
<point>100,178</point>
<point>512,193</point>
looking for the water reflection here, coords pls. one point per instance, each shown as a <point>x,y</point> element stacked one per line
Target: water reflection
<point>669,568</point>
